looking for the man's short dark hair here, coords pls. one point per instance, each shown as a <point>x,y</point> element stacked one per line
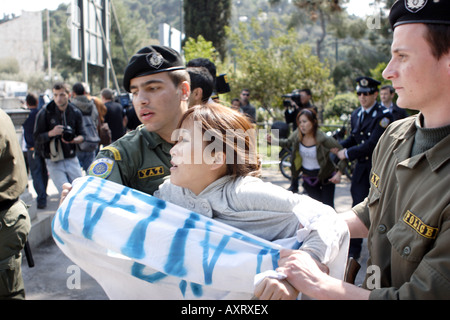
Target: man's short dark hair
<point>307,91</point>
<point>438,37</point>
<point>206,63</point>
<point>78,89</point>
<point>391,88</point>
<point>31,100</point>
<point>201,78</point>
<point>61,85</point>
<point>236,100</point>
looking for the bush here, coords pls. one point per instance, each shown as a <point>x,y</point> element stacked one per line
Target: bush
<point>344,103</point>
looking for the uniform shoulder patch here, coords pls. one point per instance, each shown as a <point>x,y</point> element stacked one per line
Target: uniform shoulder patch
<point>101,168</point>
<point>419,226</point>
<point>385,122</point>
<point>114,151</point>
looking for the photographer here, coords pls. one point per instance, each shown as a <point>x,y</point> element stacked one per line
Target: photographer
<point>57,131</point>
<point>295,102</point>
<point>292,105</point>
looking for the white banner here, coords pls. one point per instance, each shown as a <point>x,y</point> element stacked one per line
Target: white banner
<point>137,246</point>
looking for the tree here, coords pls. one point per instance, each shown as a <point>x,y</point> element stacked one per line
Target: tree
<point>341,104</point>
<point>318,11</point>
<point>209,19</point>
<point>199,48</point>
<point>275,68</point>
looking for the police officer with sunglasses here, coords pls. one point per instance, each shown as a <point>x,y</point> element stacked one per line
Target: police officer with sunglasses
<point>368,123</point>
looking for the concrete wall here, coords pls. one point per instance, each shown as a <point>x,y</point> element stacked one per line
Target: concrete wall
<point>21,38</point>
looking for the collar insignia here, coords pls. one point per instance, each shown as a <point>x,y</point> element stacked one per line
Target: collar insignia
<point>375,179</point>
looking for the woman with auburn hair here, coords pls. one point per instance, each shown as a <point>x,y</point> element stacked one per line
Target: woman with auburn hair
<point>214,173</point>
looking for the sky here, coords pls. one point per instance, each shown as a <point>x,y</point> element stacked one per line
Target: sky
<point>16,6</point>
<point>357,7</point>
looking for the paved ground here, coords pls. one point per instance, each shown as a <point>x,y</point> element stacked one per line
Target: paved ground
<point>50,278</point>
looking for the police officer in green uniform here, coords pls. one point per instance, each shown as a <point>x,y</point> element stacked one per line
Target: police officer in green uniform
<point>159,84</point>
<point>406,216</point>
<point>14,220</point>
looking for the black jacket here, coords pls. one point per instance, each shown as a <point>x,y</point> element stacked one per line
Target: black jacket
<point>364,136</point>
<point>49,117</point>
<point>363,139</point>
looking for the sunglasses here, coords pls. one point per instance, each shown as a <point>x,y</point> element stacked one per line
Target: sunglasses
<point>364,94</point>
<point>246,94</point>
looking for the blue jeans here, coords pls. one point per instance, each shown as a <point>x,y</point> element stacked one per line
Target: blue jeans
<point>39,174</point>
<point>63,171</point>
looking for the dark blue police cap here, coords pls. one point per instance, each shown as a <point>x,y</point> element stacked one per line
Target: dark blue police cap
<point>150,60</point>
<point>420,11</point>
<point>366,84</point>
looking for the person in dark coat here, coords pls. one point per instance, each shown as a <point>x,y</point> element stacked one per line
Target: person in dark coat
<point>387,94</point>
<point>368,123</point>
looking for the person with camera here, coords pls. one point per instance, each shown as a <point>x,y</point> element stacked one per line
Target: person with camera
<point>295,102</point>
<point>57,131</point>
<point>292,105</point>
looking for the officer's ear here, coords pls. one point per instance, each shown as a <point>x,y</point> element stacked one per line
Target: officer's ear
<point>185,88</point>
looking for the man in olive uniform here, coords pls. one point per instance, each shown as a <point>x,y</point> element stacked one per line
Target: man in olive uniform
<point>368,123</point>
<point>159,84</point>
<point>406,216</point>
<point>14,220</point>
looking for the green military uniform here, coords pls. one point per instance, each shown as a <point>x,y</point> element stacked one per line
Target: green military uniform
<point>408,216</point>
<point>14,220</point>
<point>139,160</point>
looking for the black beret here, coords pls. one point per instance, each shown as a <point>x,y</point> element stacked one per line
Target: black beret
<point>420,11</point>
<point>366,84</point>
<point>150,60</point>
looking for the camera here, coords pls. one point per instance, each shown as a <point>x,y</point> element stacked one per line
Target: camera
<point>294,96</point>
<point>68,134</point>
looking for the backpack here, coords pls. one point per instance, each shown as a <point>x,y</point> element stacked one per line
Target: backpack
<point>92,139</point>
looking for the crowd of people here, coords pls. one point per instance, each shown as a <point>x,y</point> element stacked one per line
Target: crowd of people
<point>54,132</point>
<point>401,167</point>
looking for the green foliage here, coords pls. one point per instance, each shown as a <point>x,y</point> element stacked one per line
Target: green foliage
<point>273,52</point>
<point>275,67</point>
<point>344,103</point>
<point>377,72</point>
<point>209,19</point>
<point>199,48</point>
